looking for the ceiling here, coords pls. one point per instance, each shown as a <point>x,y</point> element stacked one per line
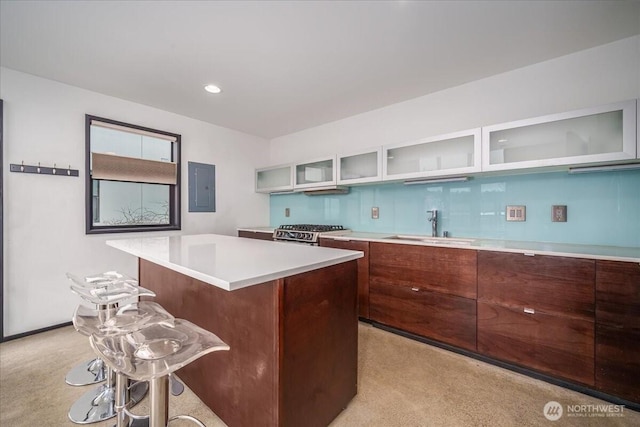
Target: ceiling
<point>284,66</point>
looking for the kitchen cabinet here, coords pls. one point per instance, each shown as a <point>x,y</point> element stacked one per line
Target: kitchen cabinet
<point>593,135</point>
<point>452,154</point>
<point>538,312</point>
<point>363,269</point>
<point>315,174</point>
<point>618,329</point>
<point>428,291</point>
<point>260,235</point>
<point>360,167</point>
<point>274,179</point>
<point>446,318</point>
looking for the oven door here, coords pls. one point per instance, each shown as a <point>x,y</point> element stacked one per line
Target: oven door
<point>293,236</point>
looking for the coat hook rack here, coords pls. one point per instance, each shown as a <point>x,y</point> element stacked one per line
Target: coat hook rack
<point>43,170</point>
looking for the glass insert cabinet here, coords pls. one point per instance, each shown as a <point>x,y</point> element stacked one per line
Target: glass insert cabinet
<point>444,155</point>
<point>316,173</point>
<point>360,166</point>
<point>600,134</point>
<point>274,179</point>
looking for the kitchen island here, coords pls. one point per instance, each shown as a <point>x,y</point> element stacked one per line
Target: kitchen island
<point>287,311</point>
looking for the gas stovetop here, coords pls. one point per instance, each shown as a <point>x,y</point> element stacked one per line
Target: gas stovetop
<point>311,227</point>
<point>304,233</point>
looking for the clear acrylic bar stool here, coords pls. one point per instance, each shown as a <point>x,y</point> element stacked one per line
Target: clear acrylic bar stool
<point>106,292</point>
<point>152,354</point>
<point>126,319</point>
<point>92,371</point>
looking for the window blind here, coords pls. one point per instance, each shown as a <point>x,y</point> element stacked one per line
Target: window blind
<point>133,130</point>
<point>119,168</point>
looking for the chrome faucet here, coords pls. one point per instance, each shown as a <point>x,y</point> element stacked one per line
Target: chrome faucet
<point>434,222</point>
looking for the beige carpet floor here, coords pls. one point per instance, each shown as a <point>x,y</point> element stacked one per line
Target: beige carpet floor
<point>401,383</point>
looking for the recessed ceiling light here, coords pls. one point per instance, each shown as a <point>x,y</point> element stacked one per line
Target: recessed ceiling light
<point>212,89</point>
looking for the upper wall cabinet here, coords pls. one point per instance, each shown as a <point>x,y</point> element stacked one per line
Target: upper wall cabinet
<point>451,154</point>
<point>274,179</point>
<point>360,167</point>
<point>600,134</point>
<point>315,174</point>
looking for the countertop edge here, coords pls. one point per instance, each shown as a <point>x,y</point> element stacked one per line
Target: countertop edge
<point>383,238</point>
<point>294,271</point>
<point>257,229</point>
<point>239,284</point>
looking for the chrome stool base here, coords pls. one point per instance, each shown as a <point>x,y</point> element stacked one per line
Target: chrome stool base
<point>99,404</point>
<point>175,385</point>
<point>90,372</point>
<point>188,418</point>
<point>137,423</point>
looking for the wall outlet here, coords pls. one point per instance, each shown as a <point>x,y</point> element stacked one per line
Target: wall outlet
<point>375,212</point>
<point>287,212</point>
<point>516,213</point>
<point>559,213</point>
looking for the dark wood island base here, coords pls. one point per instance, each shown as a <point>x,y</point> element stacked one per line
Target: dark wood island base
<point>294,344</point>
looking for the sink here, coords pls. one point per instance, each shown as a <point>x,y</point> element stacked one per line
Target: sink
<point>432,240</point>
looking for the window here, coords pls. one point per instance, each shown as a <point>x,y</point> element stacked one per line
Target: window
<point>133,178</point>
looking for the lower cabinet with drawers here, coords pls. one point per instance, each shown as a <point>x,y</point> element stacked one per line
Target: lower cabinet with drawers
<point>538,312</point>
<point>425,290</point>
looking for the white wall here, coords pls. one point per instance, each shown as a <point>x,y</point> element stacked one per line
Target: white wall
<point>44,215</point>
<point>588,78</point>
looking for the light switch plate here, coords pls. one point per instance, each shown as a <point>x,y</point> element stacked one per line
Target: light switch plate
<point>375,213</point>
<point>516,213</point>
<point>559,213</point>
<point>287,212</point>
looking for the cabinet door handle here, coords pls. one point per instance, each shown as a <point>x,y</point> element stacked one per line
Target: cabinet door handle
<point>415,289</point>
<point>529,310</point>
<point>529,254</point>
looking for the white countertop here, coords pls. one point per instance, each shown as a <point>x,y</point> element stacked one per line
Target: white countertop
<point>230,262</point>
<point>612,253</point>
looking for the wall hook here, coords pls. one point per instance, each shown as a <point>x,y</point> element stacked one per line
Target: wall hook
<point>42,170</point>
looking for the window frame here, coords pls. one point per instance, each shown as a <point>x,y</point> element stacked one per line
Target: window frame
<point>174,190</point>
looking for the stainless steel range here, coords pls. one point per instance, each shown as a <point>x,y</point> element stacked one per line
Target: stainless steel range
<point>305,233</point>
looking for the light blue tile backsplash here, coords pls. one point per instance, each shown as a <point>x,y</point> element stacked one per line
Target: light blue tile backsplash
<point>602,208</point>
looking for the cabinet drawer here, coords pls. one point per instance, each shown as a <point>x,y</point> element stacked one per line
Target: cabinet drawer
<point>618,294</point>
<point>618,362</point>
<point>256,235</point>
<point>549,284</point>
<point>556,345</point>
<point>363,269</point>
<point>447,270</point>
<point>447,318</point>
